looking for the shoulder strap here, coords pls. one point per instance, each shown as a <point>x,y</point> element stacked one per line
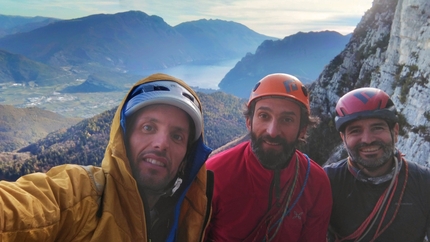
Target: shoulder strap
<point>209,194</point>
<point>98,179</point>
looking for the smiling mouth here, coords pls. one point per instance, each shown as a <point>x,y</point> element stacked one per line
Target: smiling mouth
<point>370,149</point>
<point>154,162</point>
<point>272,143</point>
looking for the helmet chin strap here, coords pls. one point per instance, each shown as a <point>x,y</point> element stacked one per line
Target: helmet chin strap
<point>174,186</point>
<point>172,189</point>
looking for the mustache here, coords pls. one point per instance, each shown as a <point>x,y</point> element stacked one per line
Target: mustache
<point>155,152</point>
<point>276,139</point>
<point>374,143</point>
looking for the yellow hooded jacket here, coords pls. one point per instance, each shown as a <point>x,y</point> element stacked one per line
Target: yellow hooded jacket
<point>76,203</point>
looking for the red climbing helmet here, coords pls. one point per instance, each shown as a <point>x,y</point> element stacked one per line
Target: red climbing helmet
<point>366,102</point>
<point>280,84</point>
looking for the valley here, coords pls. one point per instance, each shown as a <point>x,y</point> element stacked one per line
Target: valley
<point>82,105</point>
<point>203,77</point>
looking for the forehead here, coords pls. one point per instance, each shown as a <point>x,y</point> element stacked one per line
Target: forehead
<point>366,123</point>
<point>164,111</point>
<point>278,105</point>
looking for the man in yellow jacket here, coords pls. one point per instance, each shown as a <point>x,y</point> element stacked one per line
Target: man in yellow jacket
<point>152,186</point>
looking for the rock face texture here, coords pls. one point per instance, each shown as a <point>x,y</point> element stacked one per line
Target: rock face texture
<point>389,49</point>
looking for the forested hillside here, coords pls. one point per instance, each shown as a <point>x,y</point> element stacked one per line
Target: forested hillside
<point>85,142</point>
<point>20,127</point>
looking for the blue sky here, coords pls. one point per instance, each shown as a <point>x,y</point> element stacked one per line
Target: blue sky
<point>277,18</point>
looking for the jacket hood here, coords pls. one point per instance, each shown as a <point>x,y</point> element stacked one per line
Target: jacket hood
<point>115,161</point>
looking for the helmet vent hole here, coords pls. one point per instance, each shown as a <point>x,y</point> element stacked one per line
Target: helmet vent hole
<point>161,88</point>
<point>188,96</point>
<point>305,91</point>
<point>343,112</point>
<point>256,86</point>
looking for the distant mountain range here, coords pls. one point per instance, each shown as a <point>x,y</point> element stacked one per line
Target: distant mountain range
<point>385,51</point>
<point>111,51</point>
<point>303,55</point>
<point>19,24</point>
<point>19,69</point>
<point>132,42</point>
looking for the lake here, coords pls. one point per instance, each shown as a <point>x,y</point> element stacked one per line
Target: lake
<point>201,75</point>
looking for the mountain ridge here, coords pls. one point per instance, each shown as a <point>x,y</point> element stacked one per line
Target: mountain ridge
<point>303,55</point>
<point>121,40</point>
<point>22,126</point>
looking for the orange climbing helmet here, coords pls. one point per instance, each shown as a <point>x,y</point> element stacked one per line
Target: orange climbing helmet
<point>280,84</point>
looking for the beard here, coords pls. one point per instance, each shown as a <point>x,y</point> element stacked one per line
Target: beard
<point>272,159</point>
<point>371,163</point>
<point>150,181</point>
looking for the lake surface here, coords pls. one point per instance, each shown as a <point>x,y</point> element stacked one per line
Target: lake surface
<point>201,75</point>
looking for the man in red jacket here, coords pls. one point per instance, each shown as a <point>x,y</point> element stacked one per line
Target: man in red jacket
<point>265,189</point>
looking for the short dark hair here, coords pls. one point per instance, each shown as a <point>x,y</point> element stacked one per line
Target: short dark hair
<point>306,120</point>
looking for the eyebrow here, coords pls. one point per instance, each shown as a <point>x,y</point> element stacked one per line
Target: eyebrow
<point>283,113</point>
<point>175,128</point>
<point>381,123</point>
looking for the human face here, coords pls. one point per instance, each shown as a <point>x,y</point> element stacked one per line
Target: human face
<point>275,129</point>
<point>370,144</point>
<point>157,144</point>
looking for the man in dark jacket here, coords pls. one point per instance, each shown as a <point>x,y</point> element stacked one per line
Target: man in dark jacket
<point>377,194</point>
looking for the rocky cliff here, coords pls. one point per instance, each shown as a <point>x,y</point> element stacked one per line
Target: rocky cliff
<point>389,49</point>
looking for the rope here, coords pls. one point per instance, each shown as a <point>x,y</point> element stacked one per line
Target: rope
<point>389,192</point>
<point>286,209</point>
<point>359,234</point>
<point>397,208</point>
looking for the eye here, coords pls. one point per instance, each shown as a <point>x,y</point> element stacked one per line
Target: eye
<point>147,128</point>
<point>287,120</point>
<point>178,137</point>
<point>378,128</point>
<point>263,116</point>
<point>353,131</point>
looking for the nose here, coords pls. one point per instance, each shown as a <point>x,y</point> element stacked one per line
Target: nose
<point>160,141</point>
<point>367,137</point>
<point>273,129</point>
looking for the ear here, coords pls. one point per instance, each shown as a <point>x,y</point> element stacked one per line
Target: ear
<point>396,132</point>
<point>342,136</point>
<point>302,132</point>
<point>249,123</point>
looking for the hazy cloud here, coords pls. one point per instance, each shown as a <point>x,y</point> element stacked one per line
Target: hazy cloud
<point>278,18</point>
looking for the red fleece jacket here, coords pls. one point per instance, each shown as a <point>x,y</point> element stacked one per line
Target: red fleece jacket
<point>243,190</point>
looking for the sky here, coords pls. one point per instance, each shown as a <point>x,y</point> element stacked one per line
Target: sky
<point>275,18</point>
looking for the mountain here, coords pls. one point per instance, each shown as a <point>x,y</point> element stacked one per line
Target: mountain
<point>20,127</point>
<point>17,24</point>
<point>303,55</point>
<point>102,82</point>
<point>222,36</point>
<point>386,51</point>
<point>130,42</point>
<point>19,69</point>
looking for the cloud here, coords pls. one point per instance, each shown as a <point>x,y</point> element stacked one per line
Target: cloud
<point>277,18</point>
